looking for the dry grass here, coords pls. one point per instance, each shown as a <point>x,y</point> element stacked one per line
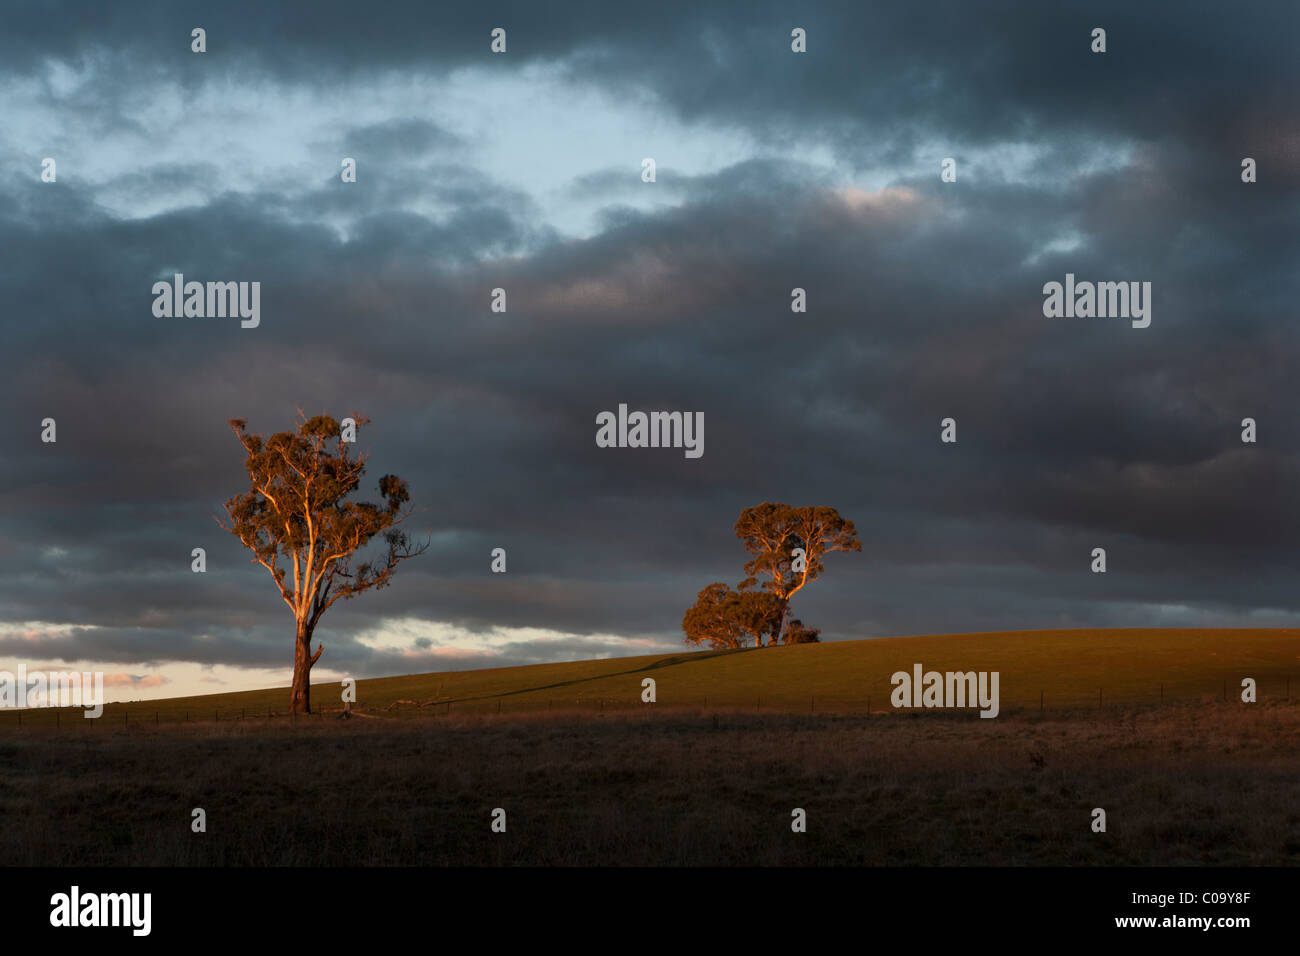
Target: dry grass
<point>1130,666</point>
<point>1184,784</point>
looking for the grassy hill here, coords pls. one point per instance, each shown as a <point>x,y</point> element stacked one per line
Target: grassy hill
<point>1068,668</point>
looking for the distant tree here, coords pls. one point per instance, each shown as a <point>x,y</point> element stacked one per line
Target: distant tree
<point>772,532</point>
<point>295,510</point>
<point>796,633</point>
<point>724,617</point>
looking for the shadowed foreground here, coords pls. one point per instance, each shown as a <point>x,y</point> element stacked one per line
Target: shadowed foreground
<point>1207,783</point>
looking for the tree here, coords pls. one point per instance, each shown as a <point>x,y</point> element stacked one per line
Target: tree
<point>796,633</point>
<point>728,618</point>
<point>772,533</point>
<point>295,511</point>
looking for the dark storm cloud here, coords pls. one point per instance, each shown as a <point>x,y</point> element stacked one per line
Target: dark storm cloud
<point>880,80</point>
<point>925,302</point>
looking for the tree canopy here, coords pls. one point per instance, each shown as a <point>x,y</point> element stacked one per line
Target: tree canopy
<point>787,546</point>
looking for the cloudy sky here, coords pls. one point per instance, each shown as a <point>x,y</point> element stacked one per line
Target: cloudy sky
<point>522,170</point>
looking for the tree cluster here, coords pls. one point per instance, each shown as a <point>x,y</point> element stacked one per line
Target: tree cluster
<point>786,545</point>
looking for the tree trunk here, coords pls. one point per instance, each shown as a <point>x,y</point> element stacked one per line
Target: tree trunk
<point>300,696</point>
<point>780,624</point>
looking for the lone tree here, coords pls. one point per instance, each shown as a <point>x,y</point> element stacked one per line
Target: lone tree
<point>772,533</point>
<point>728,618</point>
<point>295,510</point>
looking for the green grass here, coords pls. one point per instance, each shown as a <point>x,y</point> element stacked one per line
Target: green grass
<point>1068,668</point>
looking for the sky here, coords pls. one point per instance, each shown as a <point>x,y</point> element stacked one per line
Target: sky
<point>522,170</point>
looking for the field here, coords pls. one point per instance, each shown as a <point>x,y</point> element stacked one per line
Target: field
<point>1051,669</point>
<point>589,775</point>
<point>1181,784</point>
